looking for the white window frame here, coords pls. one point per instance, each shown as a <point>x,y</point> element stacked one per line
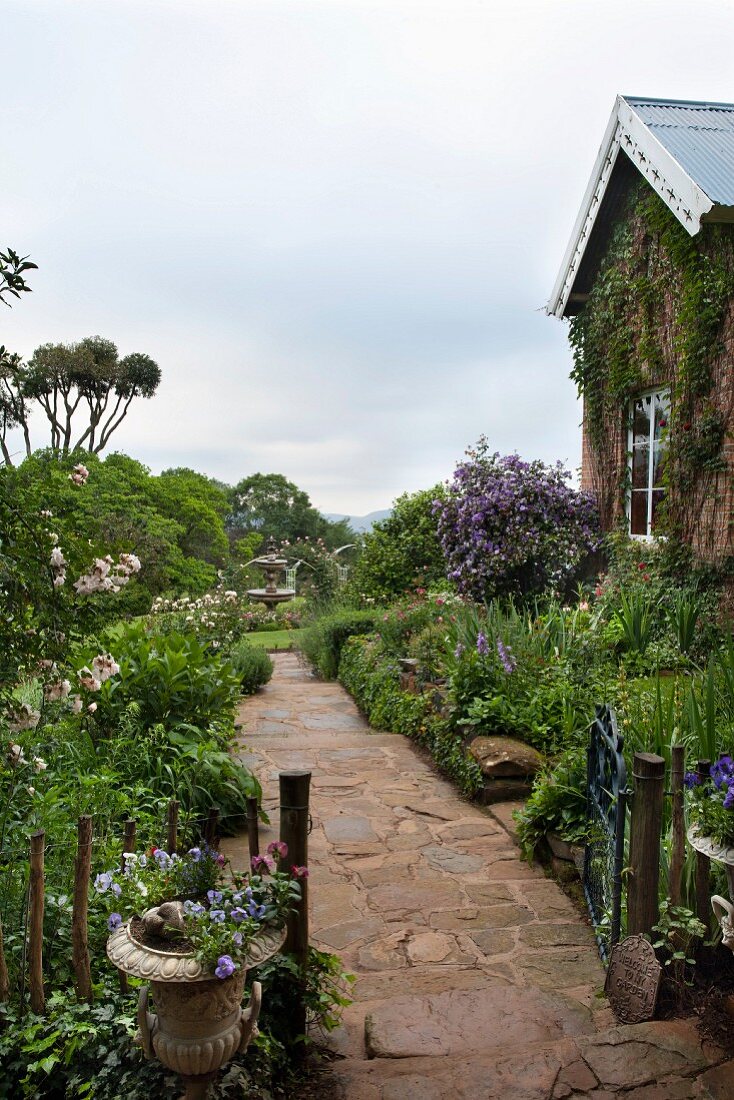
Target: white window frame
<point>652,394</point>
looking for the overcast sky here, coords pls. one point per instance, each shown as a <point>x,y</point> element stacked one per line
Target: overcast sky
<point>334,224</point>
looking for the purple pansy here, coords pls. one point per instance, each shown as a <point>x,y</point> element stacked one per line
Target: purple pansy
<point>225,967</point>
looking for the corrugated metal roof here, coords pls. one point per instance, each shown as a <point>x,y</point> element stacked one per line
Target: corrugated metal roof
<point>700,136</point>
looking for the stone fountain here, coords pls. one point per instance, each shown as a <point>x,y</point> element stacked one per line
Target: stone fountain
<point>271,565</point>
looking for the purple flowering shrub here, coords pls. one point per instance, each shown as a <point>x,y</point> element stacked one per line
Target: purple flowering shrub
<point>509,527</point>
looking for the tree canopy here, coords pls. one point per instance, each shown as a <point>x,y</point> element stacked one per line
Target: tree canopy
<point>402,551</point>
<point>84,390</point>
<point>272,505</point>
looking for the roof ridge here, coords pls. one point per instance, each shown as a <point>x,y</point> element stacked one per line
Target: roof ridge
<point>700,103</point>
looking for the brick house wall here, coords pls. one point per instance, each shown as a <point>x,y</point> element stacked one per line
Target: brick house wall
<point>705,508</point>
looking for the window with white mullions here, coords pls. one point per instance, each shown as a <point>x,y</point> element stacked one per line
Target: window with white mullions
<point>649,416</point>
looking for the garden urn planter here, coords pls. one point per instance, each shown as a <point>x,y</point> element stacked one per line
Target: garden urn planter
<point>199,1023</point>
<point>723,908</point>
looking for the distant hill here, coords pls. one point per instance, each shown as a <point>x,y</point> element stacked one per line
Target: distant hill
<point>360,524</point>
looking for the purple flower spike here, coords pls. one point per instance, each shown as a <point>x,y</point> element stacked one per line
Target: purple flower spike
<point>482,645</point>
<point>507,658</point>
<point>729,800</point>
<point>225,967</point>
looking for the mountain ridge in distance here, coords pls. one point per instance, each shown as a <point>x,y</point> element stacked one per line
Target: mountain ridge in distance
<point>360,524</point>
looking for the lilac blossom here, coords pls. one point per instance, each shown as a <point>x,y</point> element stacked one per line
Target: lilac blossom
<point>508,526</point>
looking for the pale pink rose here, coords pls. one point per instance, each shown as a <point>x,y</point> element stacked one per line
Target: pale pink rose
<point>79,475</point>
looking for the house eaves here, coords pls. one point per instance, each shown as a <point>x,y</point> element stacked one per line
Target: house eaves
<point>686,153</point>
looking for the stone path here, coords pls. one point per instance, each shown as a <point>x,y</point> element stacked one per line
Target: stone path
<point>476,978</point>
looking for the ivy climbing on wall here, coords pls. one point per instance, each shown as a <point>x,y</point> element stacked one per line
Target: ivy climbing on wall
<point>660,313</point>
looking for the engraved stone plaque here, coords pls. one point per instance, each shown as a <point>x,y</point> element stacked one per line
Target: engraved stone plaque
<point>633,980</point>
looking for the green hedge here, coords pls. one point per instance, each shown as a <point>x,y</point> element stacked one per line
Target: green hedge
<point>251,665</point>
<point>323,640</point>
<point>373,679</point>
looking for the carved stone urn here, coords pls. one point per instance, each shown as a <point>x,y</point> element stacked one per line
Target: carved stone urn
<point>719,853</point>
<point>199,1023</point>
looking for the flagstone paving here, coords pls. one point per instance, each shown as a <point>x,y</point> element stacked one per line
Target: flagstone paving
<point>476,977</point>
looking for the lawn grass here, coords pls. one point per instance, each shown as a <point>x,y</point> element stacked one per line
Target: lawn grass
<point>274,639</point>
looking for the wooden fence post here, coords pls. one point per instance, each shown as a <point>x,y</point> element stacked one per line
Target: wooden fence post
<point>80,904</point>
<point>129,839</point>
<point>172,826</point>
<point>647,818</point>
<point>294,818</point>
<point>253,838</point>
<point>35,924</point>
<point>678,847</point>
<point>4,979</point>
<point>703,865</point>
<point>211,828</point>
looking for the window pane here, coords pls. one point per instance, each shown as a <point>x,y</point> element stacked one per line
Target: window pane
<point>659,456</point>
<point>640,466</point>
<point>641,420</point>
<point>661,413</point>
<point>657,498</point>
<point>638,512</point>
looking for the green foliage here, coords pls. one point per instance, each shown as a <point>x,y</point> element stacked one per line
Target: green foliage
<point>557,803</point>
<point>172,678</point>
<point>79,1051</point>
<point>678,933</point>
<point>372,677</point>
<point>86,1052</point>
<point>401,552</point>
<point>269,504</point>
<point>510,675</point>
<point>635,616</point>
<point>251,664</point>
<point>323,640</point>
<point>683,617</point>
<point>174,523</point>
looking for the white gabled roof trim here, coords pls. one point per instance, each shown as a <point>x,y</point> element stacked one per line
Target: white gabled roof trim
<point>684,197</point>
